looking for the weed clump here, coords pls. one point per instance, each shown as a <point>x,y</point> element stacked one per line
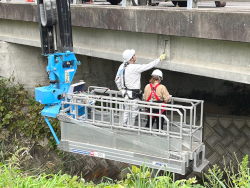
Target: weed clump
<point>20,111</point>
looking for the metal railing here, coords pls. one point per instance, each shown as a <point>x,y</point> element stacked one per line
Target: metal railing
<point>194,3</point>
<point>107,111</point>
<point>190,3</point>
<point>33,1</point>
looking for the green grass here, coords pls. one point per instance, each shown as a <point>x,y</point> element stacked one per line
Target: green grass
<point>12,177</point>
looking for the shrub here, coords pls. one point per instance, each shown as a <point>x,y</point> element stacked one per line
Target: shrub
<point>19,111</point>
<point>239,177</point>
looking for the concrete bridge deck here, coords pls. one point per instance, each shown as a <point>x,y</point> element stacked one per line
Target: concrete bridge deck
<point>212,42</point>
<point>209,22</point>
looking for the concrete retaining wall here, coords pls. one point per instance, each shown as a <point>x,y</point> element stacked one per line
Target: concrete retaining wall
<point>226,137</point>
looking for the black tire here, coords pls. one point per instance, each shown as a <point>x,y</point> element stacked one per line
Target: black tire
<point>85,1</point>
<point>114,2</point>
<point>220,3</point>
<point>134,3</point>
<point>152,4</point>
<point>180,3</point>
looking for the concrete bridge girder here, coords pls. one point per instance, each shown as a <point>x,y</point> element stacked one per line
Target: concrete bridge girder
<point>212,58</point>
<point>108,44</point>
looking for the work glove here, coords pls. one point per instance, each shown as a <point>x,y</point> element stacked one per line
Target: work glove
<point>163,56</point>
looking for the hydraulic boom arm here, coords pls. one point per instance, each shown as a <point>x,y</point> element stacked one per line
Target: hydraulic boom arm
<point>57,45</point>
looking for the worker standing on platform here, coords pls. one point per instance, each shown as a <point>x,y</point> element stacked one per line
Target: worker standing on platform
<point>156,92</point>
<point>128,80</point>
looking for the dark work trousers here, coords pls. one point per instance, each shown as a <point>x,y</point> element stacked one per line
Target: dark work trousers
<point>156,118</point>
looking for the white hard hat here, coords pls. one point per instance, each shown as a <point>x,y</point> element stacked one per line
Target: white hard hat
<point>127,55</point>
<point>158,73</point>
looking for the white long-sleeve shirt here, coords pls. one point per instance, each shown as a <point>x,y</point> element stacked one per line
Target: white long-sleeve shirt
<point>133,74</point>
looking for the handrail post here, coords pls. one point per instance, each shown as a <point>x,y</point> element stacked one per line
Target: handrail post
<point>150,121</point>
<point>195,116</point>
<point>189,4</point>
<point>181,120</point>
<point>121,114</point>
<point>93,111</point>
<point>172,113</point>
<point>201,118</point>
<point>160,119</point>
<point>185,115</point>
<point>123,3</point>
<point>191,128</point>
<point>102,111</point>
<point>76,108</point>
<point>181,138</point>
<point>139,123</point>
<point>112,119</point>
<point>192,4</point>
<point>191,120</point>
<point>130,114</point>
<point>116,103</point>
<point>168,135</point>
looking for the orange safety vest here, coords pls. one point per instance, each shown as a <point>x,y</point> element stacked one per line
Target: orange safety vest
<point>153,92</point>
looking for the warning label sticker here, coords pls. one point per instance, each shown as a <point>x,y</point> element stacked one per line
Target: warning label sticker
<point>81,151</point>
<point>158,164</point>
<point>92,153</point>
<point>97,154</point>
<point>69,70</point>
<point>66,77</point>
